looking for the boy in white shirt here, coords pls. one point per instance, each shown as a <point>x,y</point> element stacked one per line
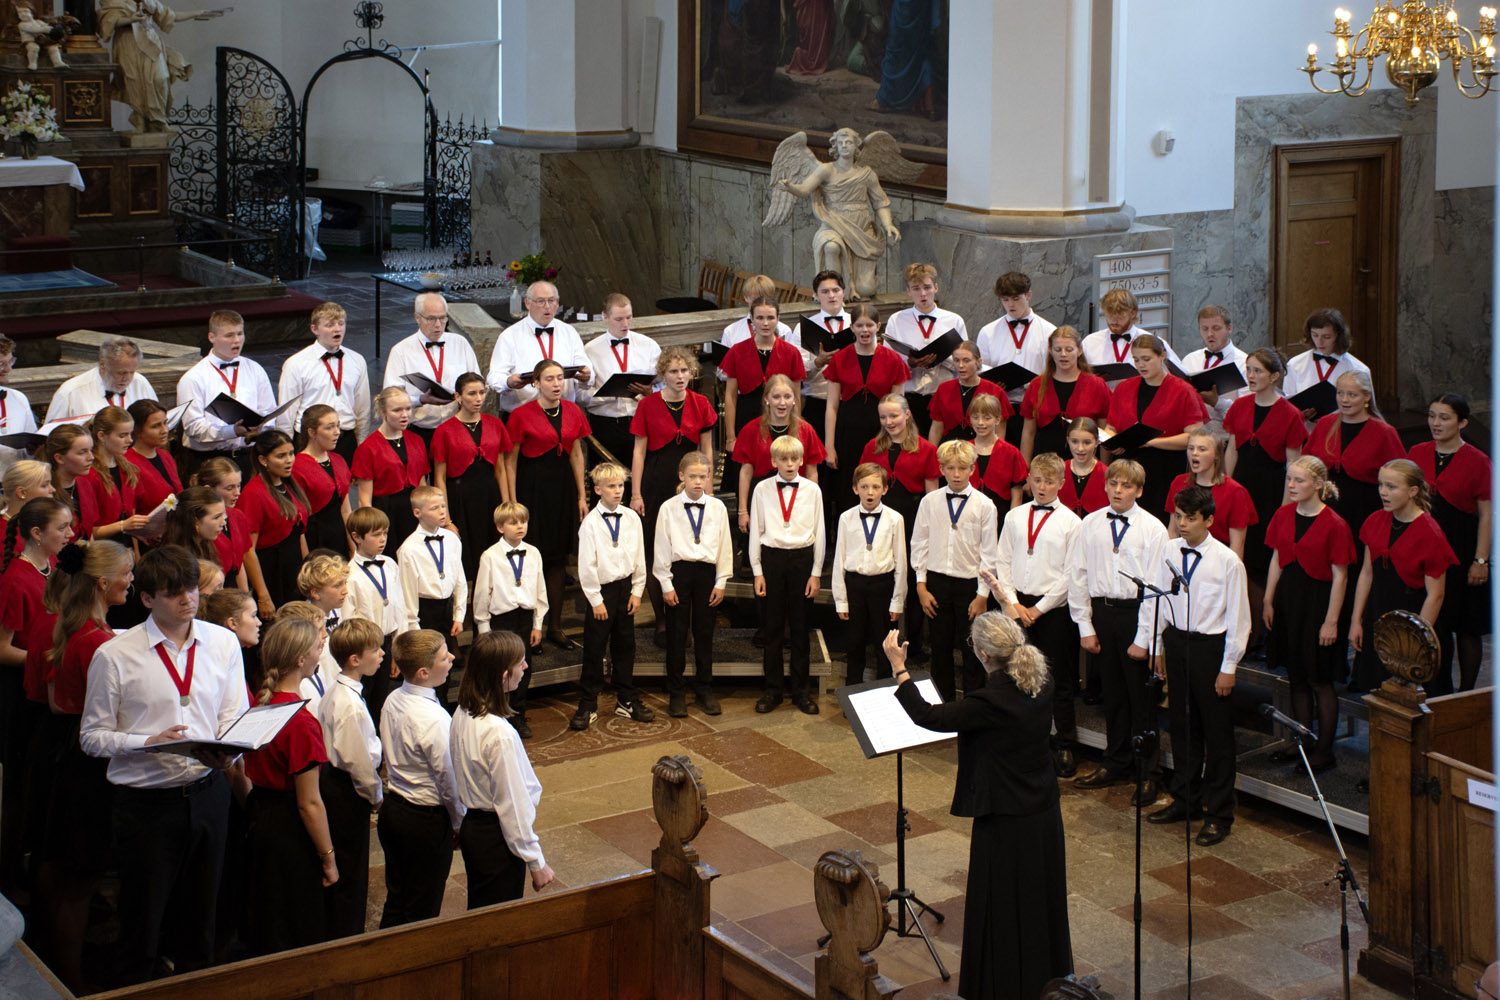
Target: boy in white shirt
<point>1218,349</point>
<point>326,372</point>
<point>786,556</point>
<point>510,595</point>
<point>923,323</point>
<point>952,542</point>
<point>869,570</point>
<point>1019,336</point>
<point>612,573</point>
<point>618,349</point>
<point>223,370</point>
<point>692,562</point>
<point>432,568</point>
<point>375,594</point>
<point>324,582</point>
<point>1111,346</point>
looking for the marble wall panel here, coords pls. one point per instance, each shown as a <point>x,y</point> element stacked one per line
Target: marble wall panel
<point>505,194</point>
<point>1462,300</point>
<point>1203,273</point>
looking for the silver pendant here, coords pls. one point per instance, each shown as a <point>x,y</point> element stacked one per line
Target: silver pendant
<point>185,701</point>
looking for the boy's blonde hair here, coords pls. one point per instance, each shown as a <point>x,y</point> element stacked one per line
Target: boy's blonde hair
<point>608,472</point>
<point>321,571</point>
<point>1126,470</point>
<point>304,610</point>
<point>330,311</point>
<point>1119,300</point>
<point>865,470</point>
<point>786,446</point>
<point>1048,464</point>
<point>916,273</point>
<point>761,286</point>
<point>961,452</point>
<point>354,637</point>
<point>614,300</point>
<point>416,650</point>
<point>424,493</point>
<point>224,319</point>
<point>510,511</point>
<point>363,520</point>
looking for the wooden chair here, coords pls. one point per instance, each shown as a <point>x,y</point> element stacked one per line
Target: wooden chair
<point>786,292</point>
<point>737,288</point>
<point>712,279</point>
<point>805,294</point>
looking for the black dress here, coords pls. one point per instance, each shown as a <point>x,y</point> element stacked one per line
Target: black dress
<point>1264,479</point>
<point>1301,604</point>
<point>1357,499</point>
<point>472,499</point>
<point>858,425</point>
<point>325,527</point>
<point>1161,466</point>
<point>397,506</point>
<point>1016,934</point>
<point>545,485</point>
<point>1466,609</point>
<point>1053,437</point>
<point>1388,592</point>
<point>659,475</point>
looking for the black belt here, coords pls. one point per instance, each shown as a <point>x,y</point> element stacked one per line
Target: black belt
<point>431,810</point>
<point>1193,636</point>
<point>175,791</point>
<point>1119,602</point>
<point>486,816</point>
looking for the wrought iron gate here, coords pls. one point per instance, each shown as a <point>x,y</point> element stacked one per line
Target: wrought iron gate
<point>259,186</point>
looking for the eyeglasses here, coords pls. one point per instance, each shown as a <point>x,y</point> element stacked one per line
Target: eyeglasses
<point>7,362</point>
<point>443,318</point>
<point>544,302</point>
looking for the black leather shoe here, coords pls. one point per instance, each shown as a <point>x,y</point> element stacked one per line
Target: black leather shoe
<point>807,705</point>
<point>1092,698</point>
<point>1318,767</point>
<point>1211,833</point>
<point>767,703</point>
<point>708,703</point>
<point>1146,793</point>
<point>1065,762</point>
<point>523,730</point>
<point>758,640</point>
<point>677,705</point>
<point>1101,777</point>
<point>1174,813</point>
<point>1282,757</point>
<point>560,639</point>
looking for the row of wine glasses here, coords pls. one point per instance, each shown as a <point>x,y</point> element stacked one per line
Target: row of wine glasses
<point>427,259</point>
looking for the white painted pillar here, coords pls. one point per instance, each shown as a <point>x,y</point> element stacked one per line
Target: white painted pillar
<point>563,74</point>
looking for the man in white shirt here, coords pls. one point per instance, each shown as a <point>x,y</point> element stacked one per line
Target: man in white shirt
<point>916,327</point>
<point>1218,349</point>
<point>117,382</point>
<point>168,679</point>
<point>1019,336</point>
<point>539,334</point>
<point>325,372</point>
<point>1111,346</point>
<point>222,370</point>
<point>438,354</point>
<point>15,409</point>
<point>618,349</point>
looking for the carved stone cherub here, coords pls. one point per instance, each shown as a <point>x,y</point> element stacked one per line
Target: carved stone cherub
<point>38,34</point>
<point>846,197</point>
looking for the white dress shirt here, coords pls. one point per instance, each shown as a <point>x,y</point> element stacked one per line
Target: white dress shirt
<point>131,697</point>
<point>307,374</point>
<point>414,737</point>
<point>904,328</point>
<point>881,553</point>
<point>1098,349</point>
<point>365,600</point>
<point>349,736</point>
<point>815,385</point>
<point>497,591</point>
<point>604,557</point>
<point>420,576</point>
<point>201,384</point>
<point>1302,372</point>
<point>770,528</point>
<point>1040,571</point>
<point>640,353</point>
<point>1219,598</point>
<point>494,774</point>
<point>997,347</point>
<point>316,685</point>
<point>87,393</point>
<point>519,349</point>
<point>674,539</point>
<point>15,418</point>
<point>741,329</point>
<point>1197,361</point>
<point>409,356</point>
<point>1094,567</point>
<point>938,545</point>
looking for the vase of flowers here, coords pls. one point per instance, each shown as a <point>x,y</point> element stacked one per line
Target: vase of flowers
<point>526,272</point>
<point>27,115</point>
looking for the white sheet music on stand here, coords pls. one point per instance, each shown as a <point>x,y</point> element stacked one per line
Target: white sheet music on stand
<point>880,723</point>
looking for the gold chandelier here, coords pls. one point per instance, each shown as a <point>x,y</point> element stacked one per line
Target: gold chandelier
<point>1415,39</point>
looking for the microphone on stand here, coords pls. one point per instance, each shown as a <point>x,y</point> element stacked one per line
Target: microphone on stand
<point>1144,585</point>
<point>1271,712</point>
<point>1177,582</point>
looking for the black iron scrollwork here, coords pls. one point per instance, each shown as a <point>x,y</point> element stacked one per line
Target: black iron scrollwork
<point>257,168</point>
<point>369,15</point>
<point>448,191</point>
<point>192,187</point>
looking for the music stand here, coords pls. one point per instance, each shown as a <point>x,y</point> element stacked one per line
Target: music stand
<point>882,727</point>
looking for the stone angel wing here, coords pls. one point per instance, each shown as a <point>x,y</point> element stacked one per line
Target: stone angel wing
<point>882,154</point>
<point>793,162</point>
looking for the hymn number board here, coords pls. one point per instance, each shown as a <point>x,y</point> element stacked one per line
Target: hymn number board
<point>1146,274</point>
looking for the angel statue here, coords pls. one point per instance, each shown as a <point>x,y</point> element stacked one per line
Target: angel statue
<point>846,197</point>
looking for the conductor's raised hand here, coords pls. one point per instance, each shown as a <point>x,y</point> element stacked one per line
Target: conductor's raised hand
<point>988,579</point>
<point>895,650</point>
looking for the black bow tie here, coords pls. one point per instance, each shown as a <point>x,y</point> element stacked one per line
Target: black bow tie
<point>370,562</point>
<point>1024,321</point>
<point>1188,550</point>
<point>616,341</point>
<point>543,329</point>
<point>691,503</point>
<point>3,392</point>
<point>1120,336</point>
<point>434,538</point>
<point>1213,354</point>
<point>330,623</point>
<point>333,355</point>
<point>782,484</point>
<point>956,496</point>
<point>228,364</point>
<point>1118,517</point>
<point>433,343</point>
<point>1325,358</point>
<point>1042,506</point>
<point>606,513</point>
<point>867,513</point>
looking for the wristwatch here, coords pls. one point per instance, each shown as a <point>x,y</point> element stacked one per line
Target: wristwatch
<point>1480,560</point>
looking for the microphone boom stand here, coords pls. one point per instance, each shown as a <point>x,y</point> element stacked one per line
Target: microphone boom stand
<point>1142,744</point>
<point>1344,874</point>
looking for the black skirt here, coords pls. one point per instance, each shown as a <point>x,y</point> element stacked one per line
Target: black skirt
<point>397,507</point>
<point>1388,592</point>
<point>1264,479</point>
<point>325,529</point>
<point>1161,468</point>
<point>279,564</point>
<point>285,892</point>
<point>1016,933</point>
<point>659,483</point>
<point>472,499</point>
<point>1466,609</point>
<point>1301,604</point>
<point>1052,438</point>
<point>1357,500</point>
<point>858,424</point>
<point>546,487</point>
<point>78,806</point>
<point>905,502</point>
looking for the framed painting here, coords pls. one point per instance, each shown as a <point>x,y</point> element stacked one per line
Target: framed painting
<point>752,72</point>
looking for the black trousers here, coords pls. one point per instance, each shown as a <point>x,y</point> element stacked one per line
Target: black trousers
<point>618,633</point>
<point>170,844</point>
<point>418,846</point>
<point>517,621</point>
<point>1129,702</point>
<point>436,613</point>
<point>1057,637</point>
<point>495,875</point>
<point>349,827</point>
<point>950,628</point>
<point>786,572</point>
<point>1202,724</point>
<point>693,583</point>
<point>869,621</point>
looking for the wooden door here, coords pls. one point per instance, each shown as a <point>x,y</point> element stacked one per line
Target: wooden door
<point>1334,237</point>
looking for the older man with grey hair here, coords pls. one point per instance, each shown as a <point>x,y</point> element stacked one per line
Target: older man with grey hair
<point>435,353</point>
<point>117,382</point>
<point>522,346</point>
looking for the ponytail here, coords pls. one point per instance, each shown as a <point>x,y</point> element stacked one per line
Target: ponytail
<point>288,640</point>
<point>1002,641</point>
<point>1314,467</point>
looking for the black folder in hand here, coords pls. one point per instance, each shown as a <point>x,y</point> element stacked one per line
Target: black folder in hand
<point>816,337</point>
<point>1222,378</point>
<point>1115,372</point>
<point>568,372</point>
<point>1132,438</point>
<point>230,410</point>
<point>1320,396</point>
<point>1010,375</point>
<point>23,440</point>
<point>428,386</point>
<point>619,384</point>
<point>939,348</point>
<point>715,352</point>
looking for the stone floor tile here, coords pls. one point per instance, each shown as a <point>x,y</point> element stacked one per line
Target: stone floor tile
<point>877,823</point>
<point>727,803</point>
<point>1217,987</point>
<point>755,891</point>
<point>1215,881</point>
<point>781,823</point>
<point>1285,916</point>
<point>1258,962</point>
<point>1166,917</point>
